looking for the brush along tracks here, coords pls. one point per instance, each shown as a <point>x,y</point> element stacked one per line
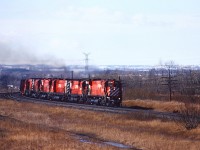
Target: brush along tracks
<point>138,113</point>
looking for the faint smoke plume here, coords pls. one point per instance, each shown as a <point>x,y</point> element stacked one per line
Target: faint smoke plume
<point>11,55</point>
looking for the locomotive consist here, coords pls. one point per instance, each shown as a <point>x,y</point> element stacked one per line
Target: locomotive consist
<point>90,91</point>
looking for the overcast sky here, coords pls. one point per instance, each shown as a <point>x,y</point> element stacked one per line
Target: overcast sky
<point>114,32</point>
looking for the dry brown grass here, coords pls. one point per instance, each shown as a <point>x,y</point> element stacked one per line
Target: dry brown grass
<point>35,126</point>
<point>163,106</point>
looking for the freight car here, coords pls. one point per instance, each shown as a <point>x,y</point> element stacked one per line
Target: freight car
<point>90,91</point>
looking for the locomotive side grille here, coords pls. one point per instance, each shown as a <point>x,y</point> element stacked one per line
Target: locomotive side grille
<point>114,92</point>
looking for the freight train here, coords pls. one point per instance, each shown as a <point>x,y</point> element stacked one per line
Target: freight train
<point>106,92</point>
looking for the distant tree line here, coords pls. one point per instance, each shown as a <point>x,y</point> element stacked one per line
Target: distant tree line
<point>168,83</point>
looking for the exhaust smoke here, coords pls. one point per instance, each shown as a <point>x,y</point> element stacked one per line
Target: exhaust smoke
<point>12,55</point>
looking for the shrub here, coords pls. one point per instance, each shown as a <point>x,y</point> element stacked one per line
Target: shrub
<point>190,116</point>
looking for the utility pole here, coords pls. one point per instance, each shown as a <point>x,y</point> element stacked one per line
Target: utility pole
<point>170,82</point>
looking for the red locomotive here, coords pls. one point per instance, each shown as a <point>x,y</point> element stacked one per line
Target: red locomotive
<point>91,91</point>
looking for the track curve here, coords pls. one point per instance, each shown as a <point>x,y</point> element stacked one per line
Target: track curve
<point>116,110</point>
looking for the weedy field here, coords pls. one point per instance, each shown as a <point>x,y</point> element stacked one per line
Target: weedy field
<point>38,126</point>
<point>162,106</point>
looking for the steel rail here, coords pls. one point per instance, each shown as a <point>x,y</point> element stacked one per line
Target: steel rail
<point>116,110</point>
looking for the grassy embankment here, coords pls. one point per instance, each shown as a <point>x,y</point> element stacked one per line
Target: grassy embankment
<point>163,106</point>
<point>37,126</point>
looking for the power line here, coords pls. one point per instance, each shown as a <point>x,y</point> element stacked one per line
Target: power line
<point>86,61</point>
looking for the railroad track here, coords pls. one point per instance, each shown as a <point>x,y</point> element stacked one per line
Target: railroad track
<point>116,110</point>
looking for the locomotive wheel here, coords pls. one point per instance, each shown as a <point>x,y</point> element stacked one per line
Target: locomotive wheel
<point>78,100</point>
<point>99,102</point>
<point>103,103</point>
<point>108,104</point>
